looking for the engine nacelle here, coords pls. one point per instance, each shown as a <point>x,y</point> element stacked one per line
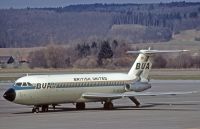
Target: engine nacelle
<point>138,86</point>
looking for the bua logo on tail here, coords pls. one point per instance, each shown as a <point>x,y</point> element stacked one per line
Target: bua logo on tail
<point>145,65</point>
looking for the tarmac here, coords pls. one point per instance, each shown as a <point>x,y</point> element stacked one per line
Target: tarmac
<point>158,112</point>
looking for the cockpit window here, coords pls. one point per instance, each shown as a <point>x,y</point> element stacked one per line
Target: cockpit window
<point>18,84</point>
<point>29,84</point>
<point>24,84</point>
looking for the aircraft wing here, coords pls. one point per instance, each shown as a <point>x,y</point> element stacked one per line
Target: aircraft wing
<point>105,96</point>
<point>135,94</point>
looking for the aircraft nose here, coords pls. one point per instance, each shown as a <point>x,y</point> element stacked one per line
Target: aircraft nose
<point>10,94</point>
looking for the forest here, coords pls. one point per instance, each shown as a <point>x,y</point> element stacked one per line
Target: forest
<point>130,23</point>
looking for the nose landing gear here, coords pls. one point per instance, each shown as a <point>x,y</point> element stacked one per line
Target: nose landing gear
<point>44,108</point>
<point>35,109</point>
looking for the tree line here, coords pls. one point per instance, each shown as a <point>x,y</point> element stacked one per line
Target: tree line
<point>105,54</point>
<point>102,54</point>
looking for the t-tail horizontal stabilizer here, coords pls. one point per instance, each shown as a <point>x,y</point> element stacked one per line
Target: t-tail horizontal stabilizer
<point>156,51</point>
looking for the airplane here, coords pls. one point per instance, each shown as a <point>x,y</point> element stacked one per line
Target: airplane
<point>41,91</point>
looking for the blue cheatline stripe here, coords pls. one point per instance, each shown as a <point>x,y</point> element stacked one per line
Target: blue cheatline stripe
<point>23,87</point>
<point>32,87</point>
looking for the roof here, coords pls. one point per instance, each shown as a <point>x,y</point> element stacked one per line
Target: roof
<point>6,59</point>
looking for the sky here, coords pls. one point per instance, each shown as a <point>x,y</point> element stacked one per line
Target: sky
<point>63,3</point>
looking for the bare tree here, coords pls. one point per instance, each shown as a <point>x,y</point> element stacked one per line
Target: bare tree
<point>37,59</point>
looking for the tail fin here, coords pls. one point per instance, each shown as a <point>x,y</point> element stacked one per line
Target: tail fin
<point>143,63</point>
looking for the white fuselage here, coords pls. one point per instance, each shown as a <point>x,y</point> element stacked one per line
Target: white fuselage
<point>68,88</point>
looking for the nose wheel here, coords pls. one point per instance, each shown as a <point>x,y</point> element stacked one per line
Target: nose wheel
<point>35,109</point>
<point>44,108</point>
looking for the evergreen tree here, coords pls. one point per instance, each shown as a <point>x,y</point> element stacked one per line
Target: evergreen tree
<point>105,52</point>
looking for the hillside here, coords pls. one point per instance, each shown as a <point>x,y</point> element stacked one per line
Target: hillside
<point>183,40</point>
<point>32,27</point>
<point>139,33</point>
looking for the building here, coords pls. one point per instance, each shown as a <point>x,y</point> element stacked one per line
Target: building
<point>6,60</point>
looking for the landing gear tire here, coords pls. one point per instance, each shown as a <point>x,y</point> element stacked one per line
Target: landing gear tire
<point>108,106</point>
<point>54,106</point>
<point>35,110</point>
<point>45,108</point>
<point>80,106</point>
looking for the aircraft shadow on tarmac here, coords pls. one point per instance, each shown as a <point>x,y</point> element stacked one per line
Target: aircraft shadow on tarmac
<point>149,106</point>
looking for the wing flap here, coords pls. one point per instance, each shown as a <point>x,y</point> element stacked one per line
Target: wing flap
<point>105,96</point>
<point>130,94</point>
<point>102,96</point>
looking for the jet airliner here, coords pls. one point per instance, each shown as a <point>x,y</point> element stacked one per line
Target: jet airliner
<point>44,90</point>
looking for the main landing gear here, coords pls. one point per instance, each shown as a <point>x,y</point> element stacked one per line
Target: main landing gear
<point>108,105</point>
<point>80,106</point>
